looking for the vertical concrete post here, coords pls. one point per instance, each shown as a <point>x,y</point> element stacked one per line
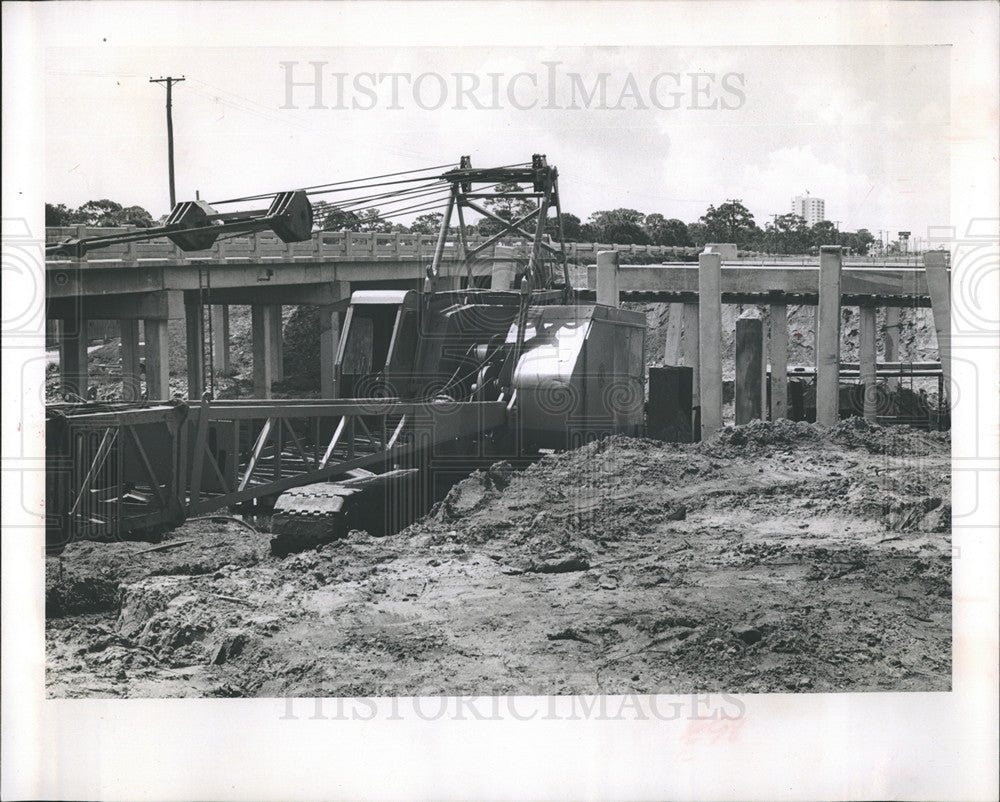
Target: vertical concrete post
<point>329,342</point>
<point>220,339</point>
<point>710,341</point>
<point>890,340</point>
<point>128,330</point>
<point>828,337</point>
<point>195,331</point>
<point>672,346</point>
<point>263,362</point>
<point>277,346</point>
<point>779,360</point>
<point>157,359</point>
<point>607,278</point>
<point>690,345</point>
<point>73,355</point>
<point>749,366</point>
<point>939,288</point>
<point>866,358</point>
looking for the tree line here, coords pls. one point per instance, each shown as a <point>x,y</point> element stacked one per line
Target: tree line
<point>730,221</point>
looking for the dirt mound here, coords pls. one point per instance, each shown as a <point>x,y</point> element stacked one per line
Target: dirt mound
<point>88,576</point>
<point>777,557</point>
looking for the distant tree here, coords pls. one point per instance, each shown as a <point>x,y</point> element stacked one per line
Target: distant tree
<point>336,219</point>
<point>571,227</point>
<point>824,233</point>
<point>372,220</point>
<point>137,216</point>
<point>508,208</point>
<point>860,241</point>
<point>59,215</point>
<point>619,226</point>
<point>730,222</point>
<point>698,232</point>
<point>429,223</point>
<point>104,212</point>
<point>666,232</point>
<point>789,233</point>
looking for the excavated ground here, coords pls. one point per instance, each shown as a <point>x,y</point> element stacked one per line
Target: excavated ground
<point>774,557</point>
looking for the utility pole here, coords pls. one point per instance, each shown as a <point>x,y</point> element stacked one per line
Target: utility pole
<point>836,226</point>
<point>169,81</point>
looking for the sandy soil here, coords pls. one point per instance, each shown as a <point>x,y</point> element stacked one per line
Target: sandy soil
<point>774,557</point>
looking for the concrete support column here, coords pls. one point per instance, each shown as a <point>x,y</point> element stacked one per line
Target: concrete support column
<point>939,288</point>
<point>710,341</point>
<point>73,355</point>
<point>263,340</point>
<point>690,345</point>
<point>195,337</point>
<point>128,330</point>
<point>607,278</point>
<point>828,337</point>
<point>157,359</point>
<point>277,347</point>
<point>779,361</point>
<point>866,359</point>
<point>890,341</point>
<point>220,339</point>
<point>329,342</point>
<point>672,347</point>
<point>749,366</point>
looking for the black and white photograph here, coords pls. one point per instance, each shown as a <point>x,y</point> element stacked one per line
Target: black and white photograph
<point>469,400</point>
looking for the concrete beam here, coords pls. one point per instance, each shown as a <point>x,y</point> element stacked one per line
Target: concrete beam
<point>749,366</point>
<point>260,321</point>
<point>710,342</point>
<point>158,305</point>
<point>157,359</point>
<point>828,337</point>
<point>939,284</point>
<point>690,345</point>
<point>277,343</point>
<point>778,350</point>
<point>73,372</point>
<point>329,342</point>
<point>866,358</point>
<point>890,341</point>
<point>220,339</point>
<point>898,285</point>
<point>606,279</point>
<point>672,346</point>
<point>131,380</point>
<point>194,326</point>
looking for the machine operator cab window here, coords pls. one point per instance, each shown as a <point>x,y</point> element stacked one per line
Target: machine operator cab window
<point>378,346</point>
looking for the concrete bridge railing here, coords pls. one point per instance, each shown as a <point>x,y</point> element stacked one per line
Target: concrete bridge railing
<point>324,245</point>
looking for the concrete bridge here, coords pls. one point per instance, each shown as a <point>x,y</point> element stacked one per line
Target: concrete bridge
<point>154,282</point>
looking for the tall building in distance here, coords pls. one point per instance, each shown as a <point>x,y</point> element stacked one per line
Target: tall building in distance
<point>812,209</point>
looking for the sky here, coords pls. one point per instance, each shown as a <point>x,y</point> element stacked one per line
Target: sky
<point>666,129</point>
